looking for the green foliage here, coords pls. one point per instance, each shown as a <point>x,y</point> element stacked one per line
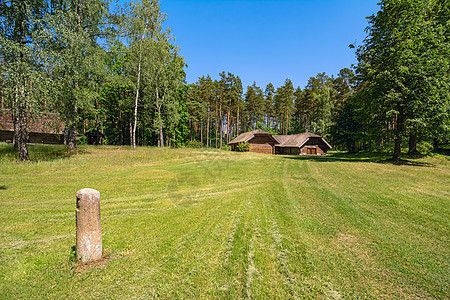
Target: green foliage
<point>256,106</point>
<point>284,105</point>
<point>260,125</point>
<point>351,129</point>
<point>193,144</point>
<point>72,257</point>
<point>243,147</point>
<point>81,139</point>
<point>122,75</point>
<point>424,147</point>
<point>404,64</point>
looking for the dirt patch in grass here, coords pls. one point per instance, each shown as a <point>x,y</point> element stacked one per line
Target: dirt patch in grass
<point>101,263</point>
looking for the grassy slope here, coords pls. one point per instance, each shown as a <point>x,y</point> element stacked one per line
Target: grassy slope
<point>208,224</point>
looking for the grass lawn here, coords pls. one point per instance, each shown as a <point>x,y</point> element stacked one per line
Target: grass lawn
<point>214,224</point>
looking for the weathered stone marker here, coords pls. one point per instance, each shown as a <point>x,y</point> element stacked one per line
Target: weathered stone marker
<point>89,232</point>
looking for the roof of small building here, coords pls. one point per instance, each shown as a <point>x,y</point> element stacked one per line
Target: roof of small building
<point>246,136</point>
<point>298,140</point>
<point>292,140</point>
<point>46,123</point>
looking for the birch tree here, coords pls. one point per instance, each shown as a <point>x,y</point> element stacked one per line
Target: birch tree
<point>142,26</point>
<point>22,63</point>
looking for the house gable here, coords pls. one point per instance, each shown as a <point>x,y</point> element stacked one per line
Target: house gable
<point>262,143</point>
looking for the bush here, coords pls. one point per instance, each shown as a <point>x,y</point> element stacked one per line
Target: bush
<point>193,144</point>
<point>424,147</point>
<point>243,147</point>
<point>226,148</point>
<point>81,139</point>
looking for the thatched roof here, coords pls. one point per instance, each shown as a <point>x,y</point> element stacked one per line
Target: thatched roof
<point>47,123</point>
<point>246,136</point>
<point>291,141</point>
<point>298,140</point>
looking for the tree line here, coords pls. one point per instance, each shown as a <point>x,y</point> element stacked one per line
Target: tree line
<point>119,74</point>
<point>93,66</point>
<point>219,110</point>
<point>402,79</point>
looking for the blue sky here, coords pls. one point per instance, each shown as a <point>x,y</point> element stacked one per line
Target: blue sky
<point>267,41</point>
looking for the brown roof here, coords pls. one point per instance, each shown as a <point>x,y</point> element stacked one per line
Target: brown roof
<point>246,136</point>
<point>46,123</point>
<point>293,140</point>
<point>298,140</point>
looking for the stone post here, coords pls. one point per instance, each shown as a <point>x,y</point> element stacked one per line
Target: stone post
<point>89,233</point>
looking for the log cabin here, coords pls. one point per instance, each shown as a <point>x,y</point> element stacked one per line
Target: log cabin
<point>295,144</point>
<point>47,129</point>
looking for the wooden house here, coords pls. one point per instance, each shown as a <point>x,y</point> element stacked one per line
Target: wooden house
<point>47,129</point>
<point>296,144</point>
<point>260,141</point>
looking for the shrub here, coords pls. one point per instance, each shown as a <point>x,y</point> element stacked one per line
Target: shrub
<point>243,147</point>
<point>193,144</point>
<point>81,139</point>
<point>424,147</point>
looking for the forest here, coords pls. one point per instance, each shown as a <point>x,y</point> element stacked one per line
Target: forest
<point>118,73</point>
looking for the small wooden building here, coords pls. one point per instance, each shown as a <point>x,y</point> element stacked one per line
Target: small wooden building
<point>260,141</point>
<point>297,144</point>
<point>47,129</point>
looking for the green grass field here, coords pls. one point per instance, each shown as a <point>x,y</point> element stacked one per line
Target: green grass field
<point>191,224</point>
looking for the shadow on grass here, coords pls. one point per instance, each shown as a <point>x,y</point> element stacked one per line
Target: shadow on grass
<point>369,157</point>
<point>39,152</point>
<point>7,149</point>
<point>3,187</point>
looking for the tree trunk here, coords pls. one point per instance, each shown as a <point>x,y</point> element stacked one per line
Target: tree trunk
<point>435,145</point>
<point>72,130</point>
<point>190,127</point>
<point>22,133</point>
<point>119,128</point>
<point>237,121</point>
<point>158,106</point>
<point>16,132</point>
<point>72,136</point>
<point>15,116</point>
<point>220,122</point>
<point>208,140</point>
<point>398,136</point>
<point>412,144</point>
<point>195,130</point>
<point>397,147</point>
<point>221,130</point>
<point>15,113</point>
<point>217,124</point>
<point>133,135</point>
<point>286,123</point>
<point>131,132</point>
<point>66,134</point>
<point>201,133</point>
<point>228,123</point>
<point>133,139</point>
